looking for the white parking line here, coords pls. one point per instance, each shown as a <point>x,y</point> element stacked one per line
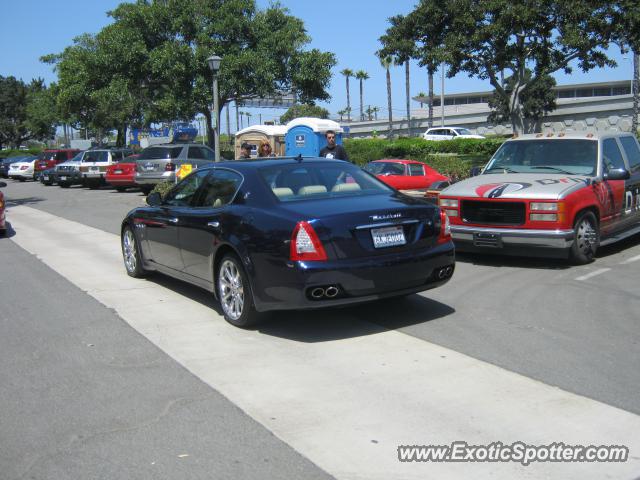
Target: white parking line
<point>630,260</point>
<point>345,403</point>
<point>592,274</point>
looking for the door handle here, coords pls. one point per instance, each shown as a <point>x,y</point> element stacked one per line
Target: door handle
<point>213,224</point>
<point>172,220</point>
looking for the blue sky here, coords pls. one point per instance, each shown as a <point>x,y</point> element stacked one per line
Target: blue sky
<point>348,28</point>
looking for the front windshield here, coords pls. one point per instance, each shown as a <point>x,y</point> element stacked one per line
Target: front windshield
<point>385,168</point>
<point>77,158</point>
<point>96,156</point>
<point>319,180</point>
<point>568,156</point>
<point>463,131</point>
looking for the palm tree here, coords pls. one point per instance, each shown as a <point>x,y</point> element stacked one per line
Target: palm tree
<point>375,111</point>
<point>361,75</point>
<point>341,113</point>
<point>386,63</point>
<point>408,94</point>
<point>347,72</point>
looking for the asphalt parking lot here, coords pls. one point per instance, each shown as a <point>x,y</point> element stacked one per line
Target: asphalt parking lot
<point>569,327</point>
<point>573,327</point>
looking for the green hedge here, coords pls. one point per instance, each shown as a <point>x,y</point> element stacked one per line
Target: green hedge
<point>454,158</point>
<point>20,153</point>
<point>364,150</point>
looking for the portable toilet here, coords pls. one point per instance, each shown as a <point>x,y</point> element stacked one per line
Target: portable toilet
<point>305,135</point>
<point>255,134</point>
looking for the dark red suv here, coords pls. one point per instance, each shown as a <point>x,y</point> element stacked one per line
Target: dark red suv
<point>51,157</point>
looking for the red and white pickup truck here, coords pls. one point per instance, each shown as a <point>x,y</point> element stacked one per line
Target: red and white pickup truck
<point>550,194</point>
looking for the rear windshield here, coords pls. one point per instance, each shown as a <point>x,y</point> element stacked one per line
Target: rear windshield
<point>47,155</point>
<point>153,153</point>
<point>314,180</point>
<point>385,168</point>
<point>570,156</point>
<point>96,156</point>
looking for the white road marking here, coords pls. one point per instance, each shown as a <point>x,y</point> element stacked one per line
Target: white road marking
<point>630,260</point>
<point>345,404</point>
<point>592,274</point>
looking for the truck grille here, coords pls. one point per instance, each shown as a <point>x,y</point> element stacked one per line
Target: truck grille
<point>493,213</point>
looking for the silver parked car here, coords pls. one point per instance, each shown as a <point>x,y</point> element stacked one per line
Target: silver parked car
<point>159,163</point>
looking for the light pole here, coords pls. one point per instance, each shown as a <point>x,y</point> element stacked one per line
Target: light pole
<point>214,65</point>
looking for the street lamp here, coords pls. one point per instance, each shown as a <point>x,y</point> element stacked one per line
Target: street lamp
<point>214,65</point>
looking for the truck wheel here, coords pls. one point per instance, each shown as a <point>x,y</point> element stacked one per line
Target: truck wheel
<point>586,239</point>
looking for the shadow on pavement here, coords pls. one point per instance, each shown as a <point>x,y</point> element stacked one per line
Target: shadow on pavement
<point>14,202</point>
<point>311,326</point>
<point>10,232</point>
<point>618,247</point>
<point>356,321</point>
<point>501,260</point>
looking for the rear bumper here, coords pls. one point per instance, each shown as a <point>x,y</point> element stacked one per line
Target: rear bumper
<point>469,238</point>
<point>121,181</point>
<point>154,178</point>
<point>358,281</point>
<point>28,174</point>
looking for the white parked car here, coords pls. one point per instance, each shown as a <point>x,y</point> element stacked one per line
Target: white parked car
<point>22,170</point>
<point>93,166</point>
<point>449,133</point>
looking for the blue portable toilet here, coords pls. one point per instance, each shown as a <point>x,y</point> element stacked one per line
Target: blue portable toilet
<point>305,135</point>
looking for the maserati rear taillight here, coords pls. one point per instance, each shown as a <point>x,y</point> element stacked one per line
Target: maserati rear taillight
<point>445,228</point>
<point>305,244</point>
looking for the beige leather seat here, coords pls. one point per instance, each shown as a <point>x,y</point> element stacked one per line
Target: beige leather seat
<point>282,192</point>
<point>346,187</point>
<point>312,189</point>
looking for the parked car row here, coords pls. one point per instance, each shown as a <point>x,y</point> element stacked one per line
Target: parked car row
<point>120,168</point>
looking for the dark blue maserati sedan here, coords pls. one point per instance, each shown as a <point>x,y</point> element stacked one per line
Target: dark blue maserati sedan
<point>289,233</point>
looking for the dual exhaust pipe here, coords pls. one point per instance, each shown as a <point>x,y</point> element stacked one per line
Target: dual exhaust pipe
<point>444,272</point>
<point>319,293</point>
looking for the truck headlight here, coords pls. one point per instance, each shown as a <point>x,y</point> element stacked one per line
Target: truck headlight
<point>449,202</point>
<point>543,217</point>
<point>544,206</point>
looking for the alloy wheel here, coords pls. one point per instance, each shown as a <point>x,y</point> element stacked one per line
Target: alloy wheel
<point>231,289</point>
<point>129,251</point>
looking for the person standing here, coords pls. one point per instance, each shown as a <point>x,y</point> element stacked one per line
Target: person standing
<point>245,151</point>
<point>265,149</point>
<point>333,150</point>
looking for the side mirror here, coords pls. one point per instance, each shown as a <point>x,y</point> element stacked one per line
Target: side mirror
<point>154,199</point>
<point>2,184</point>
<point>617,174</point>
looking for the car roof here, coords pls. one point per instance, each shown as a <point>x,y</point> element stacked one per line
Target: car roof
<point>570,135</point>
<point>397,160</point>
<point>255,163</point>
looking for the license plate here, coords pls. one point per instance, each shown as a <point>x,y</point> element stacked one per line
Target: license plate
<point>387,237</point>
<point>482,239</point>
<point>63,178</point>
<point>150,169</point>
<point>46,178</point>
<point>94,169</point>
<point>117,172</point>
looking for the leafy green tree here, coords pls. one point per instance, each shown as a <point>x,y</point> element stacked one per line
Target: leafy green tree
<point>483,38</point>
<point>537,98</point>
<point>304,110</point>
<point>361,76</point>
<point>628,37</point>
<point>347,73</point>
<point>42,111</point>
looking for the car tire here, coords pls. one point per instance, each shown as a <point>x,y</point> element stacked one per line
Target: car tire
<point>234,293</point>
<point>586,239</point>
<point>121,189</point>
<point>131,254</point>
<point>64,185</point>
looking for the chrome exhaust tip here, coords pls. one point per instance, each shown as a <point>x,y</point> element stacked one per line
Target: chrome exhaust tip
<point>331,291</point>
<point>317,293</point>
<point>449,271</point>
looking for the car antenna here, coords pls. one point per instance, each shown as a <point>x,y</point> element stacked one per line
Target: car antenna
<point>299,157</point>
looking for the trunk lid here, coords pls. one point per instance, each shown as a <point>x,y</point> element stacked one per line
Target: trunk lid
<point>373,225</point>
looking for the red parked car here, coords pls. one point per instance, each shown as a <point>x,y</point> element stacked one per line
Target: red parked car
<point>52,157</point>
<point>122,174</point>
<point>404,174</point>
<point>3,225</point>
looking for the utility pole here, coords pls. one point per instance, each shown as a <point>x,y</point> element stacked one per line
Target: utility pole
<point>442,96</point>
